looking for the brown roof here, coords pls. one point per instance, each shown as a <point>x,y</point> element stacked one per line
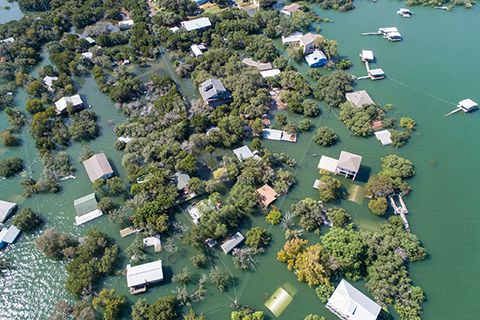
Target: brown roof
<point>349,161</point>
<point>257,64</point>
<point>266,195</point>
<point>97,166</point>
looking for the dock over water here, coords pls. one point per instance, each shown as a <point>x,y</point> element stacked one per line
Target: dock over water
<point>401,211</point>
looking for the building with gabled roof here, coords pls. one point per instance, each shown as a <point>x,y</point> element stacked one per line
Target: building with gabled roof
<point>293,38</point>
<point>213,93</point>
<point>359,98</point>
<point>288,10</point>
<point>75,101</point>
<point>231,243</point>
<point>244,153</point>
<point>307,42</point>
<point>348,164</point>
<point>199,24</point>
<point>138,277</point>
<point>98,167</point>
<point>8,236</point>
<point>86,208</point>
<point>266,195</point>
<point>348,303</point>
<point>6,209</point>
<point>257,64</point>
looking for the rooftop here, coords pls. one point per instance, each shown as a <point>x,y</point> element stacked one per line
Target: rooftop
<point>348,302</point>
<point>61,104</point>
<point>9,235</point>
<point>257,64</point>
<point>266,195</point>
<point>5,209</point>
<point>126,23</point>
<point>376,72</point>
<point>48,80</point>
<point>270,73</point>
<point>309,38</point>
<point>97,166</point>
<point>291,8</point>
<point>349,161</point>
<point>316,58</point>
<point>11,39</point>
<point>88,55</point>
<point>231,243</point>
<point>244,153</point>
<point>327,163</point>
<point>144,273</point>
<point>196,24</point>
<point>196,50</point>
<point>180,179</point>
<point>85,204</point>
<point>384,137</point>
<point>359,98</point>
<point>294,37</point>
<point>279,135</point>
<point>468,104</point>
<point>367,55</point>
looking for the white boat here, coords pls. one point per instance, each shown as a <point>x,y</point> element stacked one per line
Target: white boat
<point>406,13</point>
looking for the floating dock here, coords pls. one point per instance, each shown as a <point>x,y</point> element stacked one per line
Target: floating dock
<point>401,211</point>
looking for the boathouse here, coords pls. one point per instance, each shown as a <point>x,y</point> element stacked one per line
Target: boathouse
<point>8,236</point>
<point>266,195</point>
<point>75,101</point>
<point>279,135</point>
<point>199,24</point>
<point>347,302</point>
<point>98,167</point>
<point>138,277</point>
<point>367,55</point>
<point>316,59</point>
<point>6,209</point>
<point>348,164</point>
<point>244,153</point>
<point>467,105</point>
<point>231,243</point>
<point>288,10</point>
<point>376,74</point>
<point>384,137</point>
<point>358,98</point>
<point>86,208</point>
<point>307,42</point>
<point>213,93</point>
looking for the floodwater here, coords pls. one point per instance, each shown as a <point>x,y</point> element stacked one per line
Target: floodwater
<point>14,13</point>
<point>433,68</point>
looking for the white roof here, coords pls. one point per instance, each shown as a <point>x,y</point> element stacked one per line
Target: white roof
<point>5,209</point>
<point>327,163</point>
<point>387,30</point>
<point>278,135</point>
<point>48,80</point>
<point>315,57</point>
<point>291,8</point>
<point>231,243</point>
<point>196,24</point>
<point>126,23</point>
<point>359,98</point>
<point>384,137</point>
<point>144,273</point>
<point>88,55</point>
<point>376,72</point>
<point>294,37</point>
<point>11,39</point>
<point>62,103</point>
<point>196,50</point>
<point>9,235</point>
<point>126,139</point>
<point>197,210</point>
<point>468,104</point>
<point>174,29</point>
<point>270,73</point>
<point>393,34</point>
<point>352,304</point>
<point>243,153</point>
<point>367,54</point>
<point>84,218</point>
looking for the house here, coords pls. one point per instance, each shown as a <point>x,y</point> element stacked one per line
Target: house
<point>48,82</point>
<point>197,210</point>
<point>196,50</point>
<point>376,74</point>
<point>90,40</point>
<point>75,101</point>
<point>214,93</point>
<point>384,137</point>
<point>231,243</point>
<point>98,167</point>
<point>288,10</point>
<point>358,98</point>
<point>181,180</point>
<point>316,59</point>
<point>278,135</point>
<point>244,153</point>
<point>174,29</point>
<point>126,24</point>
<point>249,62</point>
<point>138,277</point>
<point>86,208</point>
<point>266,195</point>
<point>199,24</point>
<point>6,209</point>
<point>293,38</point>
<point>8,236</point>
<point>270,73</point>
<point>307,42</point>
<point>367,55</point>
<point>347,302</point>
<point>11,39</point>
<point>348,164</point>
<point>467,105</point>
<point>87,55</point>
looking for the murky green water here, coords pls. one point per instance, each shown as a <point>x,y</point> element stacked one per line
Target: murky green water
<point>14,13</point>
<point>433,68</point>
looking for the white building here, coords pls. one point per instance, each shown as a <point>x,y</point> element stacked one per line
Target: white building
<point>75,101</point>
<point>126,24</point>
<point>231,243</point>
<point>245,153</point>
<point>138,277</point>
<point>6,209</point>
<point>293,38</point>
<point>348,303</point>
<point>196,24</point>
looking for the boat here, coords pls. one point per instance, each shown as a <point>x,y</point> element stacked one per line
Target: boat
<point>406,13</point>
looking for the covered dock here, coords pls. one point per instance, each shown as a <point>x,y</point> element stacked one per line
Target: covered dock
<point>367,55</point>
<point>467,105</point>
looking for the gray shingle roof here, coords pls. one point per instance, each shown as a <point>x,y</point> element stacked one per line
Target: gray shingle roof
<point>349,161</point>
<point>359,98</point>
<point>97,166</point>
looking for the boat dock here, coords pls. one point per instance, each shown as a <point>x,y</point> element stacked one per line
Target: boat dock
<point>374,74</point>
<point>402,210</point>
<point>465,105</point>
<point>128,231</point>
<point>370,34</point>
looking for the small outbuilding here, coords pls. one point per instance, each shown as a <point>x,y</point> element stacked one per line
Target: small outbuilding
<point>90,40</point>
<point>6,209</point>
<point>199,24</point>
<point>327,163</point>
<point>75,101</point>
<point>270,73</point>
<point>376,74</point>
<point>48,81</point>
<point>98,167</point>
<point>348,164</point>
<point>138,277</point>
<point>347,302</point>
<point>197,52</point>
<point>8,236</point>
<point>288,10</point>
<point>384,137</point>
<point>266,195</point>
<point>358,98</point>
<point>316,59</point>
<point>86,208</point>
<point>467,105</point>
<point>231,243</point>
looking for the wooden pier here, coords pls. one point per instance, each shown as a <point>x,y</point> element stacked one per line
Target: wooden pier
<point>401,211</point>
<point>370,33</point>
<point>127,231</point>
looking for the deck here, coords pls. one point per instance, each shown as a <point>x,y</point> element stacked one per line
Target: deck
<point>138,290</point>
<point>84,218</point>
<point>127,231</point>
<point>401,211</point>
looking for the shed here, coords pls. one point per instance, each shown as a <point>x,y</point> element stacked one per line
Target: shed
<point>126,24</point>
<point>358,98</point>
<point>367,55</point>
<point>174,29</point>
<point>278,135</point>
<point>98,167</point>
<point>231,243</point>
<point>266,195</point>
<point>384,137</point>
<point>75,101</point>
<point>293,38</point>
<point>144,274</point>
<point>86,208</point>
<point>467,105</point>
<point>327,163</point>
<point>196,24</point>
<point>347,302</point>
<point>9,235</point>
<point>270,73</point>
<point>196,50</point>
<point>348,164</point>
<point>316,59</point>
<point>6,209</point>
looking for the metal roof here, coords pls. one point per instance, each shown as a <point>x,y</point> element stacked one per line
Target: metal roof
<point>327,163</point>
<point>359,98</point>
<point>294,37</point>
<point>231,243</point>
<point>468,104</point>
<point>270,73</point>
<point>196,50</point>
<point>62,103</point>
<point>376,72</point>
<point>349,161</point>
<point>195,24</point>
<point>352,304</point>
<point>144,273</point>
<point>48,80</point>
<point>85,204</point>
<point>9,235</point>
<point>212,89</point>
<point>243,153</point>
<point>367,54</point>
<point>5,209</point>
<point>97,166</point>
